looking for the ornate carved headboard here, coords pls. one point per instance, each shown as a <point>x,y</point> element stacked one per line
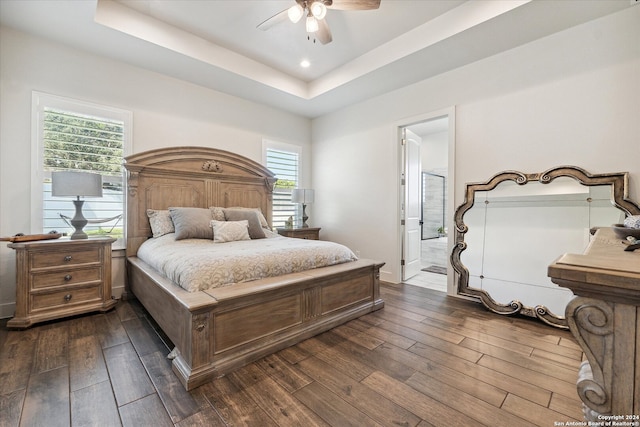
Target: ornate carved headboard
<point>193,177</point>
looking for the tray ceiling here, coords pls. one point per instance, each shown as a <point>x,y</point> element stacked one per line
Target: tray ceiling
<point>216,44</point>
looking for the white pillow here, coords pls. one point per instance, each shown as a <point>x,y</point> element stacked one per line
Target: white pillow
<point>230,231</point>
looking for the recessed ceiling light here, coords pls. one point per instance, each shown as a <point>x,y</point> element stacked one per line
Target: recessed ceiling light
<point>305,63</point>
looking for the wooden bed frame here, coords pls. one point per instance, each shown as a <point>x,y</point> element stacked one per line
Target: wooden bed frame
<point>219,330</point>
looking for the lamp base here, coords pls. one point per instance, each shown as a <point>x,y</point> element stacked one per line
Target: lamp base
<point>304,217</point>
<point>78,221</point>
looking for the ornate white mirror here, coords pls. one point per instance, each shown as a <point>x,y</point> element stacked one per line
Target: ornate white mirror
<point>511,227</point>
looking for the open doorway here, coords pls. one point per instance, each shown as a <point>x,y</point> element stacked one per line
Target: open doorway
<point>432,193</point>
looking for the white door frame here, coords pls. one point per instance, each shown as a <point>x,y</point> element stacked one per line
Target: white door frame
<point>450,113</point>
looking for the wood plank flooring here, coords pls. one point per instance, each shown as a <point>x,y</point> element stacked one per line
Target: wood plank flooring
<point>424,360</point>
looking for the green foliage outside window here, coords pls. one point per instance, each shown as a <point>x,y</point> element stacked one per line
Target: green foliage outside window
<point>74,142</point>
<point>285,184</point>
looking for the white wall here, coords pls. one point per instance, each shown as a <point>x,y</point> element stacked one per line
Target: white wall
<point>434,151</point>
<point>166,112</point>
<point>569,99</point>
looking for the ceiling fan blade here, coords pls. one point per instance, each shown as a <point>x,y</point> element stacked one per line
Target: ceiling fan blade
<point>274,20</point>
<point>324,33</point>
<point>355,4</point>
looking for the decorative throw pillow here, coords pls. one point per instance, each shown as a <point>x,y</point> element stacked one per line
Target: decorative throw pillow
<point>263,220</point>
<point>217,213</point>
<point>230,231</point>
<point>160,222</point>
<point>255,229</point>
<point>192,223</point>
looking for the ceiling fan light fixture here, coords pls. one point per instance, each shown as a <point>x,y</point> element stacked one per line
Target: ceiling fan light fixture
<point>318,9</point>
<point>295,13</point>
<point>312,24</point>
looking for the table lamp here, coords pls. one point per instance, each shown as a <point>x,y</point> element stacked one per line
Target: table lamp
<point>76,184</point>
<point>304,196</point>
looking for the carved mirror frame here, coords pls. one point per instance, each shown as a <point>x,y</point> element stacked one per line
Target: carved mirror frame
<point>619,198</point>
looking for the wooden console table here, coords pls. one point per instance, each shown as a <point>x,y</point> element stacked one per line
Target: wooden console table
<point>605,319</point>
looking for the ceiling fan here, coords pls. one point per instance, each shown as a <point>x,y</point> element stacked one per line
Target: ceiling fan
<point>315,12</point>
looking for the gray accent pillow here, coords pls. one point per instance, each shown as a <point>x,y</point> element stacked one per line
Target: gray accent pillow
<point>263,220</point>
<point>255,228</point>
<point>192,223</point>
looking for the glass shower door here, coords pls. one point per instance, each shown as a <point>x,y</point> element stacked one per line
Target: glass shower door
<point>433,205</point>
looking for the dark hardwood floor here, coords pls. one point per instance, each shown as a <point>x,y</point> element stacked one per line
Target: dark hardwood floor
<point>425,359</point>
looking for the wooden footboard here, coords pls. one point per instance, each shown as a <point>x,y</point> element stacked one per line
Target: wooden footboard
<point>217,331</point>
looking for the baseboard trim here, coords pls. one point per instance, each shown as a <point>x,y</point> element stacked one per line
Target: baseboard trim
<point>7,310</point>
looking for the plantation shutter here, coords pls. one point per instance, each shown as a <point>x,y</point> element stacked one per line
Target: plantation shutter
<point>77,142</point>
<point>285,165</point>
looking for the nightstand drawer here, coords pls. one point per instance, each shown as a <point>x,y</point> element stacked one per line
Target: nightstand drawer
<point>312,235</point>
<point>65,257</point>
<point>66,277</point>
<point>55,300</point>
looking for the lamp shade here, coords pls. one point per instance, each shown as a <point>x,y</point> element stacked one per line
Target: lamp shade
<point>75,184</point>
<point>302,195</point>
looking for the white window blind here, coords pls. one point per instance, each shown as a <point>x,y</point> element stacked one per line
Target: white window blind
<point>76,136</point>
<point>285,165</point>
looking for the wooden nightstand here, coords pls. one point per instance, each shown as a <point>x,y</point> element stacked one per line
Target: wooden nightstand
<point>59,278</point>
<point>311,233</point>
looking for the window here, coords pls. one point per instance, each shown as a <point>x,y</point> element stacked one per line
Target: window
<point>76,136</point>
<point>284,161</point>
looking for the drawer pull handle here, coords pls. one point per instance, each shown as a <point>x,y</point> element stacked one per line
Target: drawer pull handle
<point>67,297</point>
<point>67,277</point>
<point>67,258</point>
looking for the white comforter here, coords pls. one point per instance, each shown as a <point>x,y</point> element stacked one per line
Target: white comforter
<point>199,264</point>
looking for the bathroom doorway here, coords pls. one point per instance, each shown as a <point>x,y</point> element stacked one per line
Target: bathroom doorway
<point>434,172</point>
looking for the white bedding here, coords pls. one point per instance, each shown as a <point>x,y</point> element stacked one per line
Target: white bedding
<point>199,264</point>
